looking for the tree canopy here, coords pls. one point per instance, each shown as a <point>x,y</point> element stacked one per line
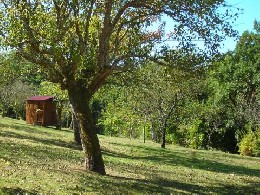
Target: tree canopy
<point>75,40</point>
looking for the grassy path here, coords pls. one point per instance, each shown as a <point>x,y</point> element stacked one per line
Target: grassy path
<point>38,160</point>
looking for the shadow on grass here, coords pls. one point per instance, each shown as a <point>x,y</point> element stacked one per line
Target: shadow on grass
<point>154,185</point>
<point>32,128</point>
<point>35,154</point>
<point>15,191</point>
<point>168,157</point>
<point>42,150</point>
<point>54,142</point>
<point>22,127</point>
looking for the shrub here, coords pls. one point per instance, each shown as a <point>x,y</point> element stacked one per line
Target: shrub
<point>250,144</point>
<point>196,136</point>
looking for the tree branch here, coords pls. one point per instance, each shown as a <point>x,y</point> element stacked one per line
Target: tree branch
<point>88,19</point>
<point>99,79</point>
<point>103,54</point>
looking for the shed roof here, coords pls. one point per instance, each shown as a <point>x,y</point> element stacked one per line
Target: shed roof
<point>40,98</point>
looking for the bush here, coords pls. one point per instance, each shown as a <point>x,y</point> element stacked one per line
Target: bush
<point>196,135</point>
<point>250,144</point>
<point>13,97</point>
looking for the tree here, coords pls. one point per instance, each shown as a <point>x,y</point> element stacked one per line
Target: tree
<point>12,99</point>
<point>157,97</point>
<point>234,84</point>
<point>14,85</point>
<point>80,43</point>
<point>152,96</point>
<point>119,116</point>
<point>163,91</point>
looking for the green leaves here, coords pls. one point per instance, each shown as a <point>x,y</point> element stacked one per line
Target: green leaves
<point>234,87</point>
<point>86,36</point>
<point>48,88</point>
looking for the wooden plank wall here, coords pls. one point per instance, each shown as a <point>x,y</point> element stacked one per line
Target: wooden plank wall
<point>47,116</point>
<point>31,112</point>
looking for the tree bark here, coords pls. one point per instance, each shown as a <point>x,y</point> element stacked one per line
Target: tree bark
<point>76,129</point>
<point>163,136</point>
<point>59,112</point>
<point>163,131</point>
<point>165,120</point>
<point>144,129</point>
<point>80,100</point>
<point>154,133</point>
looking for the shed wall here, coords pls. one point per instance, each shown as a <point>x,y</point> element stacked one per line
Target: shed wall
<point>41,112</point>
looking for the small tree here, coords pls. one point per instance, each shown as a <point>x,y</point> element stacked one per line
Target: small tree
<point>14,85</point>
<point>13,96</point>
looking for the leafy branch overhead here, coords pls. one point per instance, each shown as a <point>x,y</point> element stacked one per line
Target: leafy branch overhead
<point>78,39</point>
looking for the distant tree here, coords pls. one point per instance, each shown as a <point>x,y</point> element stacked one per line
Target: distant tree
<point>80,43</point>
<point>151,96</point>
<point>157,97</point>
<point>118,115</point>
<point>164,91</point>
<point>14,85</point>
<point>234,84</point>
<point>13,97</point>
<point>11,68</point>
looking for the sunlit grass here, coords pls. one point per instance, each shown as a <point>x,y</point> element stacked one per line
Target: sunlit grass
<point>35,160</point>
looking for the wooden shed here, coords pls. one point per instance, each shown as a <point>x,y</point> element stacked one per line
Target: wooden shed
<point>41,110</point>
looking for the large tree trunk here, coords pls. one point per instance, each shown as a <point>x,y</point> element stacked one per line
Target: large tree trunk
<point>80,99</point>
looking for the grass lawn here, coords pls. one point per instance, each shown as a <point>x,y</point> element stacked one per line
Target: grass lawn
<point>38,160</point>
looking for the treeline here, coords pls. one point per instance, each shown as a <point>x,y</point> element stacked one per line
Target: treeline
<point>212,105</point>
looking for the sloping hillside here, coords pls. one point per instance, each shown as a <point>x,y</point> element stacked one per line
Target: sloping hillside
<point>37,160</point>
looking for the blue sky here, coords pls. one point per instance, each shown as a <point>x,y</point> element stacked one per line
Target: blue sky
<point>245,21</point>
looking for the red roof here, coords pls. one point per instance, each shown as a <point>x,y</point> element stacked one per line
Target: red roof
<point>40,98</point>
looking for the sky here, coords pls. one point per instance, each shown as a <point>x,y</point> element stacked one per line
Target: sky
<point>250,11</point>
<point>245,21</point>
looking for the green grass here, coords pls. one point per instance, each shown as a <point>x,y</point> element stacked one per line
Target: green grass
<point>38,160</point>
